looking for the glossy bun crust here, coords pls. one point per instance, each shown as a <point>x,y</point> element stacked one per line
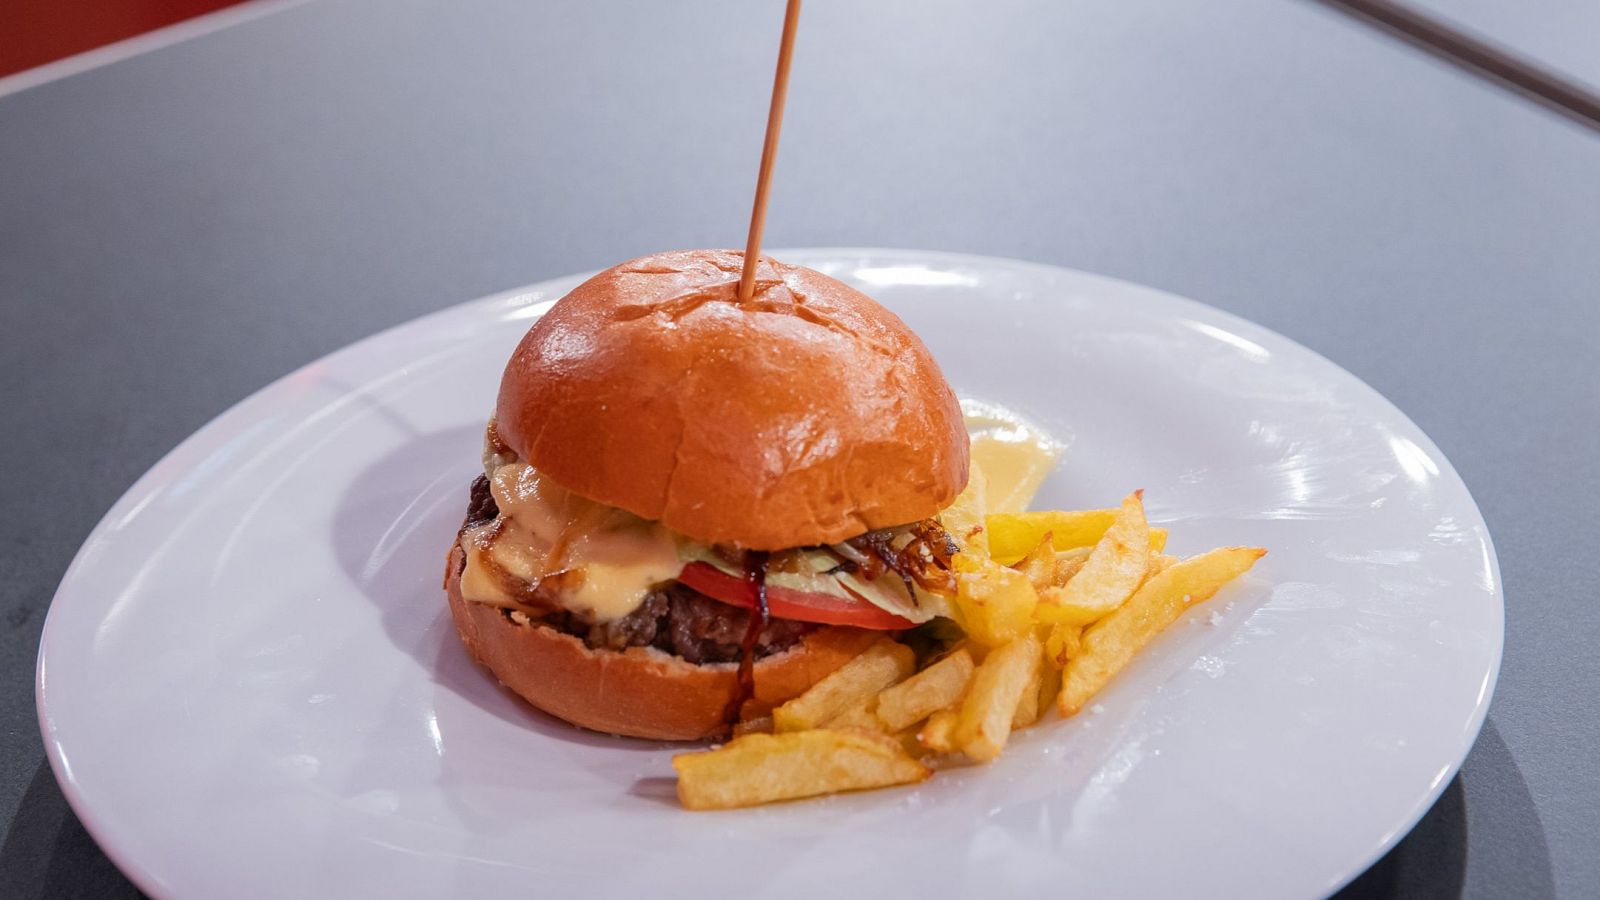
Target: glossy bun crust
<point>639,692</point>
<point>807,416</point>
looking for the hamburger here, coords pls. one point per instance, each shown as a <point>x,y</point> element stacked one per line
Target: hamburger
<point>693,508</point>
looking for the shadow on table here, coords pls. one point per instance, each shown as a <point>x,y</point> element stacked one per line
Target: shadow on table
<point>1431,861</point>
<point>48,854</point>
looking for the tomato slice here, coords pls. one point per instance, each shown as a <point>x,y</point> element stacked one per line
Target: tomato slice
<point>784,603</point>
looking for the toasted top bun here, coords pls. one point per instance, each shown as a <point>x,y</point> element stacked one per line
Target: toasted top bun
<point>808,415</point>
<point>640,691</point>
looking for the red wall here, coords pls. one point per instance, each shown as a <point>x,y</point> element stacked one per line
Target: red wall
<point>34,32</point>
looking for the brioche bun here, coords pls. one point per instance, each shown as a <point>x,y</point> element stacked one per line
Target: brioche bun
<point>639,692</point>
<point>808,415</point>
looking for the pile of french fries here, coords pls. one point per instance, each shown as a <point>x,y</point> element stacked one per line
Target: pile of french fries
<point>1052,604</point>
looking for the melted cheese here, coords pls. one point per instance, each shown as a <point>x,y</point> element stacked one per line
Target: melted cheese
<point>544,530</point>
<point>1014,455</point>
<point>476,582</point>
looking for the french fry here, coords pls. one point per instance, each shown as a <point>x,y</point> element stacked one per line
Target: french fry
<point>1063,643</point>
<point>757,725</point>
<point>937,687</point>
<point>938,733</point>
<point>1028,707</point>
<point>859,717</point>
<point>974,649</point>
<point>1039,564</point>
<point>1011,535</point>
<point>1110,643</point>
<point>763,768</point>
<point>1052,605</point>
<point>1049,687</point>
<point>1116,566</point>
<point>991,702</point>
<point>993,603</point>
<point>964,517</point>
<point>908,741</point>
<point>881,665</point>
<point>1069,563</point>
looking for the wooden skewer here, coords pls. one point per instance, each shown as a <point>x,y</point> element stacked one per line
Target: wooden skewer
<point>769,151</point>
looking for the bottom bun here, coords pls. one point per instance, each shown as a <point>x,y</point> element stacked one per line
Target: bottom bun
<point>639,692</point>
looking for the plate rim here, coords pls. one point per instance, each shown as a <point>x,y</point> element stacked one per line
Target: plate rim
<point>149,882</point>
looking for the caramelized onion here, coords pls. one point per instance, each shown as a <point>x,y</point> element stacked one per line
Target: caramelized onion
<point>923,561</point>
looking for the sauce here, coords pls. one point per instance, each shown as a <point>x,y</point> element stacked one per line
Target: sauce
<point>545,530</point>
<point>755,575</point>
<point>1014,455</point>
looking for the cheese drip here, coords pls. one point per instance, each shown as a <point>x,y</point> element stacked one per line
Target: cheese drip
<point>613,557</point>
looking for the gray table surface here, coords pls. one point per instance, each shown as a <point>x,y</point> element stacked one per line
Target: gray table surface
<point>180,228</point>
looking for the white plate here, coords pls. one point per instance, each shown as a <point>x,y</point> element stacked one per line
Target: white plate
<point>249,685</point>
